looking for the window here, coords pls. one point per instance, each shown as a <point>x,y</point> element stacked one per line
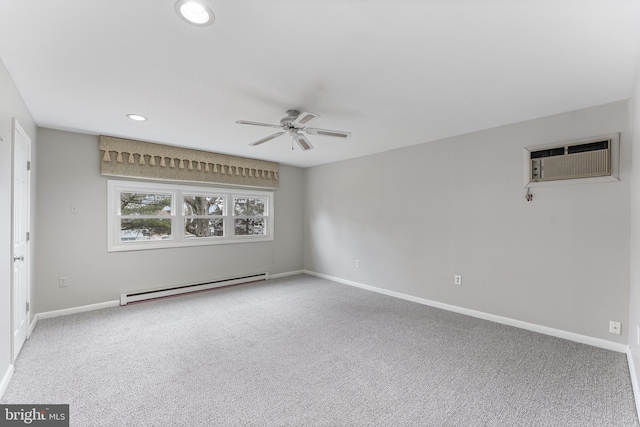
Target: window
<point>249,216</point>
<point>203,216</point>
<point>152,216</point>
<point>145,216</point>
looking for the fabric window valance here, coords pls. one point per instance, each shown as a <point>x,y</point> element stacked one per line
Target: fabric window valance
<point>138,159</point>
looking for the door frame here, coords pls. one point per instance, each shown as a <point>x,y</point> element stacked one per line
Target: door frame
<point>18,129</point>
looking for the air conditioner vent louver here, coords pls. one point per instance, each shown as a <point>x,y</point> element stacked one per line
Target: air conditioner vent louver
<point>585,160</point>
<point>547,153</point>
<point>593,146</point>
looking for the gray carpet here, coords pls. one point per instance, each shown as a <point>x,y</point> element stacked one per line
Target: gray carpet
<point>302,351</point>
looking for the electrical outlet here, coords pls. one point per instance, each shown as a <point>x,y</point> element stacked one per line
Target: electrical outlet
<point>62,282</point>
<point>457,279</point>
<point>614,327</point>
<point>358,263</point>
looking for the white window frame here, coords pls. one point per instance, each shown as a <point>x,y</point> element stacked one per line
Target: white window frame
<point>177,192</point>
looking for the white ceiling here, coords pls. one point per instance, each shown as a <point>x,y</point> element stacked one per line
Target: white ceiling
<point>393,73</point>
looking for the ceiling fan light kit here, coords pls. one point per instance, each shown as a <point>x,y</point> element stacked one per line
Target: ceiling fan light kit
<point>294,123</point>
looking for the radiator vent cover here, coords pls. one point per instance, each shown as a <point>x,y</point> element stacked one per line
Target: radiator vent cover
<point>581,160</point>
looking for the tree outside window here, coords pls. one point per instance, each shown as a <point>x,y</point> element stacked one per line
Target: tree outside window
<point>145,216</point>
<point>203,216</point>
<point>249,216</point>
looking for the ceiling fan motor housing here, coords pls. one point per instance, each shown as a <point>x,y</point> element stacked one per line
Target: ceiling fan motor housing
<point>291,116</point>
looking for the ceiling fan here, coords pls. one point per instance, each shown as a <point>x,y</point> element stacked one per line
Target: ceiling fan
<point>294,123</point>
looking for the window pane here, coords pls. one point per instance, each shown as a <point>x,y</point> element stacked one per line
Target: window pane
<point>203,227</point>
<point>145,204</point>
<point>145,229</point>
<point>248,206</point>
<point>203,205</point>
<point>250,227</point>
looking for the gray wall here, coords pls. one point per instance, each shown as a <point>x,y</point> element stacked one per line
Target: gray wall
<point>414,217</point>
<point>75,245</point>
<point>634,294</point>
<point>11,105</point>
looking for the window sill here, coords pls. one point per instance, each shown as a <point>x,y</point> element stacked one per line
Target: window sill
<point>144,246</point>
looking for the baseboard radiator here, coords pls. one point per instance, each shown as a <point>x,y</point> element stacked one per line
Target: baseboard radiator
<point>183,289</point>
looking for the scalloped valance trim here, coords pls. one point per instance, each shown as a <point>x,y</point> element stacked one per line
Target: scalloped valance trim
<point>138,159</point>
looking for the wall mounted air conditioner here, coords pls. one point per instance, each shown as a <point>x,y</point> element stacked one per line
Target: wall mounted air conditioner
<point>585,160</point>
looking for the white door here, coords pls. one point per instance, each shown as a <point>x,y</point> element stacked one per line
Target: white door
<point>20,236</point>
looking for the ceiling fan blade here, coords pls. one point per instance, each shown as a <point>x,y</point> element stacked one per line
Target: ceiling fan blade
<point>327,132</point>
<point>304,118</point>
<point>270,137</point>
<point>246,122</point>
<point>302,141</point>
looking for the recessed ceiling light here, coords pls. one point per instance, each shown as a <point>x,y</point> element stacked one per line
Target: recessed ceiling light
<point>195,12</point>
<point>137,117</point>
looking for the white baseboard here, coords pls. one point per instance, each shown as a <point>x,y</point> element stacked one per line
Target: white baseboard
<point>289,273</point>
<point>5,380</point>
<point>634,380</point>
<point>32,326</point>
<point>559,333</point>
<point>75,310</point>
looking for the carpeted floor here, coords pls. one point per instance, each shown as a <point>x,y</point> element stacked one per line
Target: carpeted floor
<point>302,351</point>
